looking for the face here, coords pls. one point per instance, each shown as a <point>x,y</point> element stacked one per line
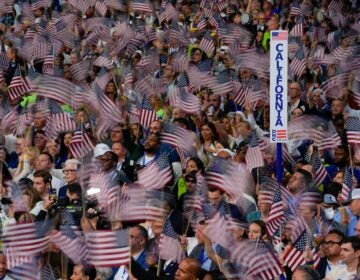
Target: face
<point>254,231</point>
<point>77,273</point>
<point>339,177</point>
<point>206,132</point>
<point>296,113</point>
<point>43,163</point>
<point>2,265</point>
<point>137,241</point>
<point>196,56</point>
<point>294,90</point>
<point>116,134</point>
<point>242,128</point>
<point>191,166</point>
<point>168,72</point>
<point>190,184</point>
<point>119,150</point>
<point>348,254</point>
<point>110,88</point>
<point>339,155</point>
<point>296,183</point>
<point>215,100</point>
<point>67,139</point>
<point>306,212</point>
<point>337,107</point>
<point>226,124</point>
<point>215,198</point>
<point>155,127</point>
<point>355,207</point>
<point>107,162</point>
<point>52,147</point>
<point>332,245</point>
<point>298,275</point>
<point>151,142</point>
<point>157,227</point>
<point>185,271</point>
<point>40,141</point>
<point>264,205</point>
<point>70,173</point>
<point>40,185</point>
<point>19,145</point>
<point>39,120</point>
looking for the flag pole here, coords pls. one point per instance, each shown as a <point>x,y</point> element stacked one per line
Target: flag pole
<point>351,161</point>
<point>279,172</point>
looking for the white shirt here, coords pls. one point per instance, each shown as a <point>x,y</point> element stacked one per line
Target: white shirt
<point>340,273</point>
<point>333,266</point>
<point>122,274</point>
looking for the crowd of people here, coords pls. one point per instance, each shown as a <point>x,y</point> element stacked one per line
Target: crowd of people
<point>135,140</point>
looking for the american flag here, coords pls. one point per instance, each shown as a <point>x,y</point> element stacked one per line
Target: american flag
<point>297,30</point>
<point>253,156</point>
<point>48,66</point>
<point>136,204</point>
<point>331,140</point>
<point>347,184</point>
<point>180,63</point>
<point>186,101</point>
<point>224,175</point>
<point>157,174</point>
<point>256,260</point>
<point>276,213</point>
<point>69,243</point>
<point>207,43</point>
<point>320,171</point>
<point>298,64</point>
<point>58,121</point>
<point>170,12</point>
<point>353,130</point>
<point>4,62</point>
<point>217,229</point>
<point>294,256</point>
<point>175,135</point>
<point>18,86</point>
<point>23,240</point>
<point>336,5</point>
<point>177,34</point>
<point>81,144</point>
<point>101,7</point>
<point>169,245</point>
<point>103,61</point>
<point>80,71</point>
<point>310,198</point>
<point>55,88</point>
<point>108,248</point>
<point>147,113</point>
<point>37,4</point>
<point>25,271</point>
<point>141,6</point>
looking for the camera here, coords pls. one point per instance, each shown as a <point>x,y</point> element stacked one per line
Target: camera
<point>6,201</point>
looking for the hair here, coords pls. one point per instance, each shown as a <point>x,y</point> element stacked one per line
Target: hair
<point>307,176</point>
<point>182,121</point>
<point>334,188</point>
<point>214,189</point>
<point>309,273</point>
<point>199,164</point>
<point>114,157</point>
<point>354,240</point>
<point>213,130</point>
<point>89,270</point>
<point>50,157</point>
<point>40,131</point>
<point>75,188</point>
<point>25,182</point>
<point>44,174</point>
<point>337,232</point>
<point>34,195</point>
<point>262,226</point>
<point>143,232</point>
<point>74,162</point>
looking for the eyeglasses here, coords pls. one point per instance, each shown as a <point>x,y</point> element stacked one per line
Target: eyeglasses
<point>69,170</point>
<point>329,243</point>
<point>105,159</point>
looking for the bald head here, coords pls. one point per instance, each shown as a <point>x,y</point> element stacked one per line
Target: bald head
<point>189,269</point>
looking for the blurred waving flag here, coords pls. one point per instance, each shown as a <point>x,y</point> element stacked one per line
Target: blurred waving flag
<point>353,130</point>
<point>147,113</point>
<point>276,213</point>
<point>18,86</point>
<point>81,144</point>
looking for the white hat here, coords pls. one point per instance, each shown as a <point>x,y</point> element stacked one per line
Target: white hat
<point>330,199</point>
<point>230,153</point>
<point>355,194</point>
<point>101,149</point>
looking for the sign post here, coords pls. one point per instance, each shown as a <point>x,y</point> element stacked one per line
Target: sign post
<point>278,94</point>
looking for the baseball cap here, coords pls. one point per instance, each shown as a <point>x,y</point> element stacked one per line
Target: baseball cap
<point>329,199</point>
<point>355,194</point>
<point>101,149</point>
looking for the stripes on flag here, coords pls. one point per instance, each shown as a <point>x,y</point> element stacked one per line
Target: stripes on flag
<point>253,156</point>
<point>169,245</point>
<point>320,171</point>
<point>207,43</point>
<point>18,86</point>
<point>81,144</point>
<point>276,214</point>
<point>157,174</point>
<point>297,30</point>
<point>108,248</point>
<point>298,64</point>
<point>141,6</point>
<point>146,113</point>
<point>353,130</point>
<point>347,184</point>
